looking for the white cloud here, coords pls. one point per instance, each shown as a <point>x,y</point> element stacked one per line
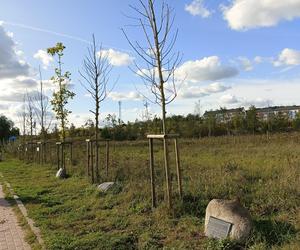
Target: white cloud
<point>16,96</point>
<point>44,57</point>
<point>15,76</point>
<point>117,58</point>
<point>288,57</point>
<point>245,63</point>
<point>19,83</point>
<point>10,63</point>
<point>130,96</point>
<point>258,59</point>
<point>216,88</point>
<point>229,99</point>
<point>4,107</point>
<point>248,14</point>
<point>196,8</point>
<point>88,95</point>
<point>79,119</point>
<point>196,92</point>
<point>265,92</point>
<point>257,102</point>
<point>208,68</point>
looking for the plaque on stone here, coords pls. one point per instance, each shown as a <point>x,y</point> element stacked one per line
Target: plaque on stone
<point>217,228</point>
<point>37,149</point>
<point>105,186</point>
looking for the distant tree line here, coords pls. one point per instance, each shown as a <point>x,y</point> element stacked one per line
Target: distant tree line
<point>190,126</point>
<point>7,129</point>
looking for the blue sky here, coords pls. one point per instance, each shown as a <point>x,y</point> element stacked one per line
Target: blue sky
<point>235,52</point>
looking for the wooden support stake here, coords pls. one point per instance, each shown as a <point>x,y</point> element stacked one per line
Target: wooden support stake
<point>107,157</point>
<point>58,156</point>
<point>42,152</point>
<point>39,153</point>
<point>88,158</point>
<point>45,154</point>
<point>71,153</point>
<point>168,183</point>
<point>64,157</point>
<point>153,196</point>
<point>32,154</point>
<point>92,162</point>
<point>97,163</point>
<point>178,168</point>
<point>61,156</point>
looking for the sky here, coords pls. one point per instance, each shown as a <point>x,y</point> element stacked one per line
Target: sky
<point>234,53</point>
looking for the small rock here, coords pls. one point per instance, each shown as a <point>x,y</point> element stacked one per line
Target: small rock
<point>233,212</point>
<point>61,173</point>
<point>103,187</point>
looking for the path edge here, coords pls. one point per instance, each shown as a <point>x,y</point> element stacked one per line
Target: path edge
<point>36,231</point>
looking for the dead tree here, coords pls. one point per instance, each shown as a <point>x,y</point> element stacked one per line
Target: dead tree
<point>158,61</point>
<point>96,75</point>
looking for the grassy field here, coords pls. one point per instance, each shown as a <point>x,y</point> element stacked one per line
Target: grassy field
<point>72,214</point>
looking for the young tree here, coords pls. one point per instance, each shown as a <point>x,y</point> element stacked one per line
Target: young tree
<point>23,119</point>
<point>159,61</point>
<point>211,121</point>
<point>238,122</point>
<point>251,119</point>
<point>96,75</point>
<point>31,116</point>
<point>225,118</point>
<point>41,108</point>
<point>63,94</point>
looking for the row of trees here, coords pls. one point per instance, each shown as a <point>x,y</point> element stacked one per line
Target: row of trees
<point>190,126</point>
<point>156,68</point>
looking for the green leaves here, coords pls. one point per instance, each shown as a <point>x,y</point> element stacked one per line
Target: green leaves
<point>56,50</point>
<point>62,96</point>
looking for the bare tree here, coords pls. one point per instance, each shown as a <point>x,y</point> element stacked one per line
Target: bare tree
<point>159,62</point>
<point>23,122</point>
<point>96,75</point>
<point>43,115</point>
<point>42,109</point>
<point>24,118</point>
<point>31,122</point>
<point>30,115</point>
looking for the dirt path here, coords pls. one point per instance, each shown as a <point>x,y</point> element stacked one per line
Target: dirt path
<point>11,234</point>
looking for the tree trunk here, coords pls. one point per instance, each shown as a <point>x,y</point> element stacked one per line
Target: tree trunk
<point>97,144</point>
<point>97,99</point>
<point>163,105</point>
